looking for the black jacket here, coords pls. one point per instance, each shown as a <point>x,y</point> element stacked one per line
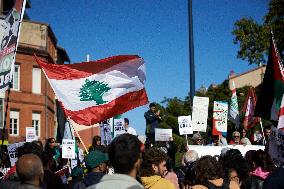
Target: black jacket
<point>151,121</point>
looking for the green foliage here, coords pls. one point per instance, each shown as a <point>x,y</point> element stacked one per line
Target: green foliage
<point>253,38</point>
<point>93,90</point>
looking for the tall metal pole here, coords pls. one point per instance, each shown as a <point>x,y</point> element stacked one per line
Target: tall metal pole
<point>191,51</point>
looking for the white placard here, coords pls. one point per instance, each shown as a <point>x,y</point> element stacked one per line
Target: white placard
<point>276,146</point>
<point>118,127</point>
<point>68,148</point>
<point>12,151</point>
<point>216,150</point>
<point>30,134</point>
<point>184,123</point>
<point>220,115</point>
<point>163,134</point>
<point>200,113</point>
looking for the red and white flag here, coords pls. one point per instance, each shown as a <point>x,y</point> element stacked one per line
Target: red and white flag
<point>91,92</point>
<point>250,120</point>
<point>281,115</point>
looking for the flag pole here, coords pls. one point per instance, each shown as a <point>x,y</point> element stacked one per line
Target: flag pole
<point>262,130</point>
<point>78,135</point>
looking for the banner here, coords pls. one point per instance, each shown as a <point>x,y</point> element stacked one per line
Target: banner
<point>276,146</point>
<point>163,134</point>
<point>220,116</point>
<point>30,134</point>
<point>200,113</point>
<point>184,123</point>
<point>13,153</point>
<point>118,127</point>
<point>9,32</point>
<point>105,130</point>
<point>68,148</point>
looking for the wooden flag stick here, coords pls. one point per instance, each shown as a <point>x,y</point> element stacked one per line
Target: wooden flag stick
<point>78,135</point>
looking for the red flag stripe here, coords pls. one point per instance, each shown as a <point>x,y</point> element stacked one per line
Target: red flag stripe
<point>95,114</point>
<point>281,111</point>
<point>84,69</point>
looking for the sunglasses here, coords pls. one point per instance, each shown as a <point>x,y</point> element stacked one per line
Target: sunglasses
<point>236,136</point>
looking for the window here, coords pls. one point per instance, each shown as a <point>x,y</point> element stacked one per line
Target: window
<point>36,88</point>
<point>16,78</point>
<point>14,122</point>
<point>1,112</point>
<point>36,123</point>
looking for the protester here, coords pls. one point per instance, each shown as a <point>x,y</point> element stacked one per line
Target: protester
<point>125,155</point>
<point>51,180</point>
<point>236,138</point>
<point>79,154</point>
<point>77,179</point>
<point>153,170</point>
<point>257,137</point>
<point>128,129</point>
<point>96,145</point>
<point>266,141</point>
<point>188,160</point>
<point>152,118</point>
<point>208,174</point>
<point>263,167</point>
<point>96,164</point>
<point>197,139</point>
<point>30,171</point>
<point>245,141</point>
<point>169,148</point>
<point>52,146</point>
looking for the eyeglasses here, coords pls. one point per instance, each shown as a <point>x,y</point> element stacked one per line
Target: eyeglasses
<point>198,139</point>
<point>236,136</point>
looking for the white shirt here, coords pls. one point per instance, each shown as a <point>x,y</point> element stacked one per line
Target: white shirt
<point>131,130</point>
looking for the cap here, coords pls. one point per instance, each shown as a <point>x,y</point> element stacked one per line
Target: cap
<point>95,158</point>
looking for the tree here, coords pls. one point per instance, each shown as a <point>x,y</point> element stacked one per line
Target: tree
<point>253,38</point>
<point>93,90</point>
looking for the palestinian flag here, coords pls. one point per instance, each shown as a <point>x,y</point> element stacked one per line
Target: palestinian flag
<point>250,120</point>
<point>91,92</point>
<point>281,115</point>
<point>272,87</point>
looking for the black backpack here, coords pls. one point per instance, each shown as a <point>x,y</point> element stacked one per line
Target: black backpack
<point>210,185</point>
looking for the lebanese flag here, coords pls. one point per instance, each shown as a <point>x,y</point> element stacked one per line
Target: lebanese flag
<point>281,115</point>
<point>91,92</point>
<point>250,120</point>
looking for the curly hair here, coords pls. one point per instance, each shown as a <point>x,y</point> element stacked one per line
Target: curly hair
<point>152,156</point>
<point>263,160</point>
<point>233,159</point>
<point>30,148</point>
<point>207,168</point>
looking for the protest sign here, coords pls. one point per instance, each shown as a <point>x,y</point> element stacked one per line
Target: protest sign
<point>163,134</point>
<point>118,127</point>
<point>12,151</point>
<point>105,130</point>
<point>184,123</point>
<point>276,146</point>
<point>220,116</point>
<point>68,148</point>
<point>30,134</point>
<point>200,113</point>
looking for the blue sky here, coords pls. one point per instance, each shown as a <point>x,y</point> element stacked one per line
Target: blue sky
<point>157,30</point>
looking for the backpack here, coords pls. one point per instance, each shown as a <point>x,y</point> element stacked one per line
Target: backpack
<point>210,185</point>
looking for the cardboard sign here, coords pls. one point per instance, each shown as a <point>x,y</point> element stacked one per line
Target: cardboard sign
<point>30,134</point>
<point>118,127</point>
<point>220,116</point>
<point>13,153</point>
<point>276,146</point>
<point>184,123</point>
<point>200,113</point>
<point>163,134</point>
<point>68,148</point>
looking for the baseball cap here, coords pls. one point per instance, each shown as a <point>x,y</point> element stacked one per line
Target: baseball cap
<point>95,158</point>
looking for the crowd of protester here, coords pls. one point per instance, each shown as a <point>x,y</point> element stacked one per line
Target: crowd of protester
<point>128,163</point>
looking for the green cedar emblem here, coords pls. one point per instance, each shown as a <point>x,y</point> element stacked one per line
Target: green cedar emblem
<point>93,90</point>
